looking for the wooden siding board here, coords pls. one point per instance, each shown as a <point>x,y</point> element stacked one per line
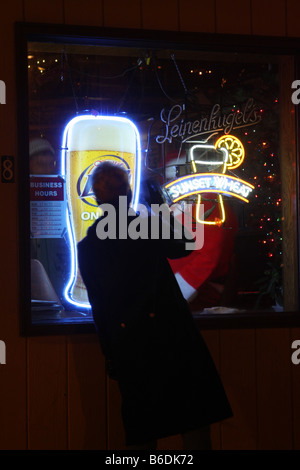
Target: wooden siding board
<point>274,404</point>
<point>88,12</point>
<point>293,16</point>
<point>44,12</point>
<point>160,15</point>
<point>47,393</point>
<point>86,394</point>
<point>197,16</point>
<point>13,417</point>
<point>268,18</point>
<point>13,406</point>
<point>120,14</point>
<point>233,17</point>
<point>238,373</point>
<point>295,369</point>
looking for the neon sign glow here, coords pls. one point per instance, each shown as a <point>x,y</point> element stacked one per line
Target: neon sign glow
<point>208,183</point>
<point>87,141</point>
<point>235,149</point>
<point>175,126</point>
<point>218,221</point>
<point>223,161</point>
<point>228,153</point>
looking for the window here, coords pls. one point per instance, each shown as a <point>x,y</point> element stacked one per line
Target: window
<point>213,127</point>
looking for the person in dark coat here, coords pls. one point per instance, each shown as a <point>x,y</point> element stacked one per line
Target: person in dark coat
<point>168,382</point>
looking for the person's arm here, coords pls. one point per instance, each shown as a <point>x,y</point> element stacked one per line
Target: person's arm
<point>201,265</point>
<point>175,241</point>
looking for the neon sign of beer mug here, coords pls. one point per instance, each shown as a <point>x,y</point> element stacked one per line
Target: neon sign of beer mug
<point>205,159</point>
<point>87,141</point>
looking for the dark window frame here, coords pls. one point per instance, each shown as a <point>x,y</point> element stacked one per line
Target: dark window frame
<point>72,34</point>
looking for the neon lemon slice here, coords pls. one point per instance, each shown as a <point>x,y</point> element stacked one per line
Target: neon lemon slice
<point>235,149</point>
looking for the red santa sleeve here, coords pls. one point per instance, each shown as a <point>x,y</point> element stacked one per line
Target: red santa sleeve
<point>201,265</point>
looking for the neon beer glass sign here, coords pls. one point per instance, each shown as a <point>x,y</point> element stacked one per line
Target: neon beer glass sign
<point>87,141</point>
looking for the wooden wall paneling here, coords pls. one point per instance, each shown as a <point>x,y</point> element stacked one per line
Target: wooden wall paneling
<point>233,17</point>
<point>8,139</point>
<point>44,12</point>
<point>288,185</point>
<point>120,14</point>
<point>47,393</point>
<point>13,416</point>
<point>293,15</point>
<point>197,16</point>
<point>295,370</point>
<point>86,394</point>
<point>13,430</point>
<point>160,15</point>
<point>88,12</point>
<point>238,372</point>
<point>274,402</point>
<point>268,18</point>
<point>212,340</point>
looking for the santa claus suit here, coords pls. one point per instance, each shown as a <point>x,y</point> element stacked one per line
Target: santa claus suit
<point>201,275</point>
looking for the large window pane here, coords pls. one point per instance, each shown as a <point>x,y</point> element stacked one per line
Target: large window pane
<point>210,131</point>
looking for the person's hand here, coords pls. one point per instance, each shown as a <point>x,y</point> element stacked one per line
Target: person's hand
<point>151,192</point>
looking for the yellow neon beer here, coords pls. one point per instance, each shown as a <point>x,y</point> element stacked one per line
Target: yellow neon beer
<point>227,153</point>
<point>213,163</point>
<point>235,156</point>
<point>217,221</point>
<point>89,141</point>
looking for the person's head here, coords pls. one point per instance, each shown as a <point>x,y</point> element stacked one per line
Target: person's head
<point>42,157</point>
<point>109,181</point>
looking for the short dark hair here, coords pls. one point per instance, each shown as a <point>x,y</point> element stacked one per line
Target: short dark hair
<point>109,181</point>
